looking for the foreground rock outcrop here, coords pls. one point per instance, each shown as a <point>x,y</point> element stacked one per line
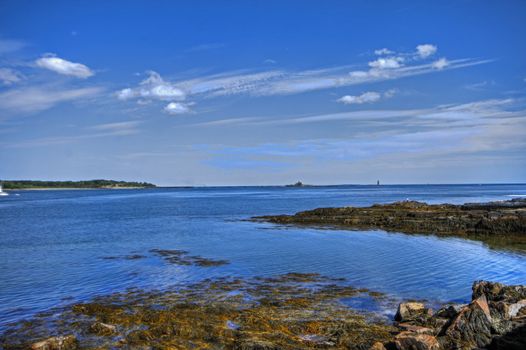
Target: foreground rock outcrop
<point>506,218</point>
<point>495,319</point>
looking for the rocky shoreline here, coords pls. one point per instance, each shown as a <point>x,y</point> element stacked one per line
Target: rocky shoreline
<point>292,311</point>
<point>493,219</point>
<point>495,319</point>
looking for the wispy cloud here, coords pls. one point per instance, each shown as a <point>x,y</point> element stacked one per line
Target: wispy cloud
<point>10,76</point>
<point>462,130</point>
<point>480,86</point>
<point>101,131</point>
<point>10,45</point>
<point>39,98</point>
<point>119,128</point>
<point>283,82</point>
<point>384,51</point>
<point>205,47</point>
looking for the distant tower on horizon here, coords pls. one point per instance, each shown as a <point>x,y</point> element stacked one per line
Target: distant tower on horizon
<point>377,182</point>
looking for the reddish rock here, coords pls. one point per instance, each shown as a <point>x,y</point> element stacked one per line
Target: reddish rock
<point>413,341</point>
<point>415,329</point>
<point>472,327</point>
<point>412,311</point>
<point>377,346</point>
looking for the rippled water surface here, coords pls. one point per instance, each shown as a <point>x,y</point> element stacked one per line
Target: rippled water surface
<point>53,242</point>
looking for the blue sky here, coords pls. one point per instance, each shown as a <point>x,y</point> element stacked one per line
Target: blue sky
<point>263,92</point>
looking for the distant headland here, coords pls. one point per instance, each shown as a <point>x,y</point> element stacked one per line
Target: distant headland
<point>298,184</point>
<point>85,184</point>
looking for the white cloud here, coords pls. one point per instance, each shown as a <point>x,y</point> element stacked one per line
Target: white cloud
<point>62,66</point>
<point>153,88</point>
<point>384,51</point>
<point>35,99</point>
<point>387,63</point>
<point>441,63</point>
<point>10,76</point>
<point>367,97</point>
<point>426,50</point>
<point>177,108</point>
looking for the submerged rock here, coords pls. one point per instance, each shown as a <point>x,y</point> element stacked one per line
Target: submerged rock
<point>101,328</point>
<point>181,257</point>
<point>68,342</point>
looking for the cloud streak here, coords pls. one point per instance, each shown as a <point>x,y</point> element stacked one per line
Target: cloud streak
<point>283,82</point>
<point>462,131</point>
<point>10,76</point>
<point>39,98</point>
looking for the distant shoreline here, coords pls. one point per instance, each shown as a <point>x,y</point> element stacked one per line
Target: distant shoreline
<point>9,185</point>
<point>74,188</point>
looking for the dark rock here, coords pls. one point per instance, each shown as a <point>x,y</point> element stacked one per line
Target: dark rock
<point>513,340</point>
<point>472,327</point>
<point>498,292</point>
<point>477,220</point>
<point>448,311</point>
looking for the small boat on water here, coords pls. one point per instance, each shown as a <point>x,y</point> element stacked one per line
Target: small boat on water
<point>2,193</point>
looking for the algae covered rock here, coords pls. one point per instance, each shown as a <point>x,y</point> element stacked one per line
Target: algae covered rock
<point>68,342</point>
<point>103,329</point>
<point>479,220</point>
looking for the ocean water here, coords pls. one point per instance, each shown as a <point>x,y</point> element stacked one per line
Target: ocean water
<point>53,243</point>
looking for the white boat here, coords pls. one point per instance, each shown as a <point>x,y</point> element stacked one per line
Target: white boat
<point>2,193</point>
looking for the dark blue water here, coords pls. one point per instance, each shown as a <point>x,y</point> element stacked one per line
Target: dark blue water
<point>52,242</point>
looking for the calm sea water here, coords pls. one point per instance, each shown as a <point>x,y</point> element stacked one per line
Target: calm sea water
<point>52,242</point>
